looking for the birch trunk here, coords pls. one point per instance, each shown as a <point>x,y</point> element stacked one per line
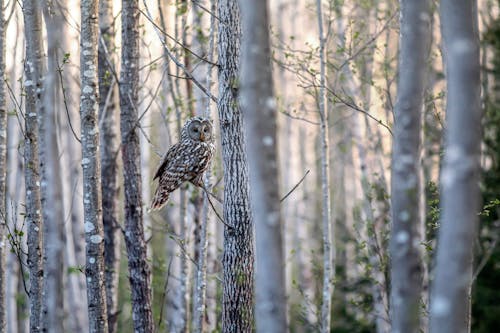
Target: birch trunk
<point>33,108</point>
<point>92,201</point>
<point>203,73</point>
<point>3,172</point>
<point>139,271</point>
<point>406,237</point>
<point>259,107</point>
<point>52,201</point>
<point>109,149</point>
<point>238,257</point>
<point>328,247</point>
<point>450,298</point>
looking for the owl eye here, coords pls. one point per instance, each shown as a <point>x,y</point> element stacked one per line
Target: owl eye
<point>205,130</point>
<point>195,129</point>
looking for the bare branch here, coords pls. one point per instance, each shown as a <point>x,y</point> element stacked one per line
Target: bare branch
<point>173,58</point>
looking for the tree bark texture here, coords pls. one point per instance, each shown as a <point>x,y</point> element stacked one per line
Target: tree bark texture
<point>328,247</point>
<point>51,185</point>
<point>109,148</point>
<point>238,257</point>
<point>460,172</point>
<point>3,172</point>
<point>92,202</point>
<point>33,74</point>
<point>406,237</point>
<point>139,271</point>
<point>259,107</point>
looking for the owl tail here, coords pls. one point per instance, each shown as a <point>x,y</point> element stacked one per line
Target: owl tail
<point>160,198</point>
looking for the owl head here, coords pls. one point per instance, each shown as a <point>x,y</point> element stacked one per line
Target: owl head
<point>197,129</point>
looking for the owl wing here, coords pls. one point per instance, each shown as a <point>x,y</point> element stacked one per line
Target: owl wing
<point>168,157</point>
<point>171,173</point>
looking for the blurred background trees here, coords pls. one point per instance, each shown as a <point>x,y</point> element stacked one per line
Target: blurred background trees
<point>190,267</point>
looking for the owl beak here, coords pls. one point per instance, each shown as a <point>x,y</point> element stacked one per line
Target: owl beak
<point>202,136</point>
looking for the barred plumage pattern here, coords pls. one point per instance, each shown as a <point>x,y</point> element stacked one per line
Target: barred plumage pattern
<point>186,160</point>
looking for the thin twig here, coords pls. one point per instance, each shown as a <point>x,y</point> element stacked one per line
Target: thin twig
<point>298,118</point>
<point>174,59</point>
<point>13,97</point>
<point>164,294</point>
<point>487,255</point>
<point>198,4</point>
<point>175,40</point>
<point>16,247</point>
<point>370,41</point>
<point>311,83</point>
<point>59,71</point>
<point>357,108</point>
<point>295,187</point>
<point>215,211</point>
<point>212,194</point>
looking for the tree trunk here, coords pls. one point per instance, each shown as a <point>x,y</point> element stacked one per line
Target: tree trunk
<point>328,247</point>
<point>109,149</point>
<point>51,185</point>
<point>71,172</point>
<point>238,257</point>
<point>406,237</point>
<point>3,171</point>
<point>460,173</point>
<point>33,108</point>
<point>139,271</point>
<point>203,73</point>
<point>92,201</point>
<point>259,106</point>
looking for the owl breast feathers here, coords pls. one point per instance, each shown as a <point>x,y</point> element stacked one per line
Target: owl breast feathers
<point>186,160</point>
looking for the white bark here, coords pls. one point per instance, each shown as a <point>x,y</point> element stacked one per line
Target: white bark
<point>52,203</point>
<point>328,247</point>
<point>33,108</point>
<point>92,200</point>
<point>460,172</point>
<point>3,170</point>
<point>259,107</point>
<point>406,238</point>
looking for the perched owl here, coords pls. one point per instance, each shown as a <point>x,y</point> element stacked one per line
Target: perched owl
<point>186,160</point>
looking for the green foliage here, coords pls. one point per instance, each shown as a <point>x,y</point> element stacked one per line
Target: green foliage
<point>490,207</point>
<point>75,270</point>
<point>433,210</point>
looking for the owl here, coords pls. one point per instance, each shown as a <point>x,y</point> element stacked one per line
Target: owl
<point>185,161</point>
